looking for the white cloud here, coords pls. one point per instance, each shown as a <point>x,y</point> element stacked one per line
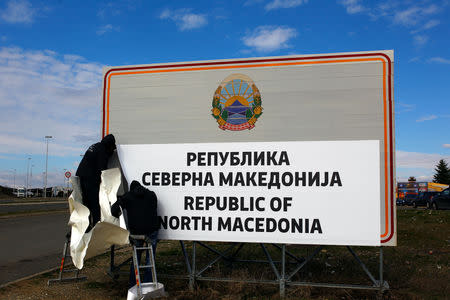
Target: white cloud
<point>427,118</point>
<point>44,93</point>
<point>416,15</point>
<point>352,6</point>
<point>106,28</point>
<point>432,9</point>
<point>18,11</point>
<point>406,159</point>
<point>116,8</point>
<point>252,2</point>
<point>16,144</point>
<point>446,145</point>
<point>420,40</point>
<point>404,107</point>
<point>408,16</point>
<point>419,178</point>
<point>405,13</point>
<point>439,60</point>
<point>275,4</point>
<point>269,38</point>
<point>184,18</point>
<point>430,24</point>
<point>54,178</point>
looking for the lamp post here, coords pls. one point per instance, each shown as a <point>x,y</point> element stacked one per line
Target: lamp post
<point>64,177</point>
<point>14,180</point>
<point>47,137</point>
<point>31,176</point>
<point>28,171</point>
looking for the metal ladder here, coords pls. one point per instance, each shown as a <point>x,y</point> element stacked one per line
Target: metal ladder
<point>147,246</point>
<point>66,254</point>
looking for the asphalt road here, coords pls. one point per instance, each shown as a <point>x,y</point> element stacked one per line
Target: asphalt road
<point>31,244</point>
<point>32,206</point>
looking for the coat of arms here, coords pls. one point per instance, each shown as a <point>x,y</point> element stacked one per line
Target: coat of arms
<point>237,103</point>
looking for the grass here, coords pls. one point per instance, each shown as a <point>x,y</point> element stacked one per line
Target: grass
<point>418,268</point>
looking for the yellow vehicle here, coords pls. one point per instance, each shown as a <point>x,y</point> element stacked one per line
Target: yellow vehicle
<point>436,187</point>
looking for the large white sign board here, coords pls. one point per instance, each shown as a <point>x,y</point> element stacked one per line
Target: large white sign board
<point>208,192</point>
<point>329,113</point>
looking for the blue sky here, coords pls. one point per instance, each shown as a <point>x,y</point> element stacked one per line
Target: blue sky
<point>52,54</point>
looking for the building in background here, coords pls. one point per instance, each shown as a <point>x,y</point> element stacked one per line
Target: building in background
<point>414,188</point>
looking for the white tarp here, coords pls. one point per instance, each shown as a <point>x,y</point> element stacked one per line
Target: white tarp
<point>109,231</point>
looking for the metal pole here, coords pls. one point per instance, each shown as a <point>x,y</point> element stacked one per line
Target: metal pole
<point>46,169</point>
<point>64,183</point>
<point>269,258</point>
<point>381,272</point>
<point>186,258</point>
<point>28,171</point>
<point>14,180</point>
<point>363,266</point>
<point>31,176</point>
<point>192,275</point>
<point>283,272</point>
<point>46,164</point>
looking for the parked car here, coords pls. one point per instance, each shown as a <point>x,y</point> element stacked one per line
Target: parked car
<point>441,200</point>
<point>423,199</point>
<point>409,198</point>
<point>400,202</point>
<point>19,192</point>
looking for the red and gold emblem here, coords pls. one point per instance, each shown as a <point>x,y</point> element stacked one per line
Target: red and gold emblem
<point>237,103</point>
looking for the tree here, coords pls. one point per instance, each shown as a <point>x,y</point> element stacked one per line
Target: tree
<point>442,173</point>
<point>412,178</point>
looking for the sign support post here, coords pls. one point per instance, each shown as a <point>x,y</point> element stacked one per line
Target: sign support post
<point>282,279</point>
<point>283,271</point>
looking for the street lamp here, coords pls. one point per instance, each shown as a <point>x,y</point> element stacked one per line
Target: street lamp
<point>14,187</point>
<point>26,181</point>
<point>31,177</point>
<point>47,137</point>
<point>64,177</point>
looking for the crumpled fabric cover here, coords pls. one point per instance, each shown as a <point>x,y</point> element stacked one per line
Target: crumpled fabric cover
<point>107,232</point>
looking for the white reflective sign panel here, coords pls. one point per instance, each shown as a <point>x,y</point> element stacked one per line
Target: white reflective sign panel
<point>284,192</point>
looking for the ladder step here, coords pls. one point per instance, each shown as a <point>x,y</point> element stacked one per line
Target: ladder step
<point>146,267</point>
<point>142,248</point>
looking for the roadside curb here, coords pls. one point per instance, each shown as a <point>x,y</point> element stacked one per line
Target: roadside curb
<point>29,277</point>
<point>33,203</point>
<point>8,216</point>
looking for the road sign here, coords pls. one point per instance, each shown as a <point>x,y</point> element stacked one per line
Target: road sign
<point>67,174</point>
<point>213,137</point>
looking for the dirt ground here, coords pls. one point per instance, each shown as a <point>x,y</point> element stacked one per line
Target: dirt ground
<point>418,268</point>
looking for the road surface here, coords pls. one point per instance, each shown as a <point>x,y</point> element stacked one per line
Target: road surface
<point>22,207</point>
<point>31,244</point>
